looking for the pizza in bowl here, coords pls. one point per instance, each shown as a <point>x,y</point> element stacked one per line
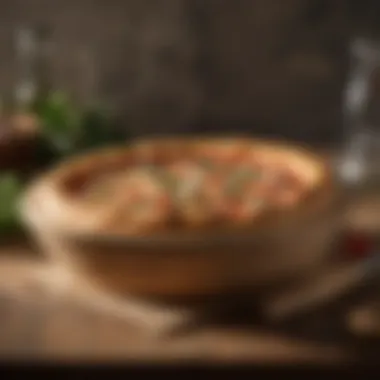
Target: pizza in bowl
<point>183,185</point>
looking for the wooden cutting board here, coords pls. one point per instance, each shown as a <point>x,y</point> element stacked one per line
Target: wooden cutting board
<point>40,319</point>
<point>37,320</point>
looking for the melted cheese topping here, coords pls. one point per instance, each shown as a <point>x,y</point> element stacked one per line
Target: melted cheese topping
<point>221,185</point>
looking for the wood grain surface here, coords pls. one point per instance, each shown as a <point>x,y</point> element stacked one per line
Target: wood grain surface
<point>37,321</point>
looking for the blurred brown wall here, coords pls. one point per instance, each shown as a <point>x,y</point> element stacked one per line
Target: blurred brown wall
<point>266,66</point>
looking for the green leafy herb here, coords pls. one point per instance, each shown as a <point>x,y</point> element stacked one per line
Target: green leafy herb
<point>10,189</point>
<point>167,180</point>
<point>67,129</point>
<point>238,179</point>
<point>207,164</point>
<point>61,122</point>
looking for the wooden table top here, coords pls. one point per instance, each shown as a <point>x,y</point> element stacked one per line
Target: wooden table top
<point>36,323</point>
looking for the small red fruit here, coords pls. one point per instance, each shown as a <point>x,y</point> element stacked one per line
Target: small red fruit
<point>357,245</point>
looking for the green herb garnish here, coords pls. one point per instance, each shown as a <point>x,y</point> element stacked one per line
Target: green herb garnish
<point>10,190</point>
<point>238,179</point>
<point>68,129</point>
<point>207,164</point>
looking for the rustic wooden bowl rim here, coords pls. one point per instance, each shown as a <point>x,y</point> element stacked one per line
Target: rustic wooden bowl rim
<point>272,227</point>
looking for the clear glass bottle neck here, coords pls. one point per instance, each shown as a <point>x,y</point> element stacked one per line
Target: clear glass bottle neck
<point>31,49</point>
<point>364,61</point>
<point>359,102</point>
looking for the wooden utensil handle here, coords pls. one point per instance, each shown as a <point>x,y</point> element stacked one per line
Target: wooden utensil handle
<point>320,289</point>
<point>364,320</point>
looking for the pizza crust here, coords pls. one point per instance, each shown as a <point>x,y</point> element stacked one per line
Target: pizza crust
<point>71,214</point>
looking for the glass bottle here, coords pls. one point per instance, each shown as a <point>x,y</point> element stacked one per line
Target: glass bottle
<point>19,121</point>
<point>32,85</point>
<point>360,161</point>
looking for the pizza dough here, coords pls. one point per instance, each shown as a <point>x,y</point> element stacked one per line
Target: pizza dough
<point>159,186</point>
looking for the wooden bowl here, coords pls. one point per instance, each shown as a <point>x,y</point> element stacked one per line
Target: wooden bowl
<point>197,263</point>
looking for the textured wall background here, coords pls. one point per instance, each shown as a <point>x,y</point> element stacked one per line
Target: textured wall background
<point>264,66</point>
